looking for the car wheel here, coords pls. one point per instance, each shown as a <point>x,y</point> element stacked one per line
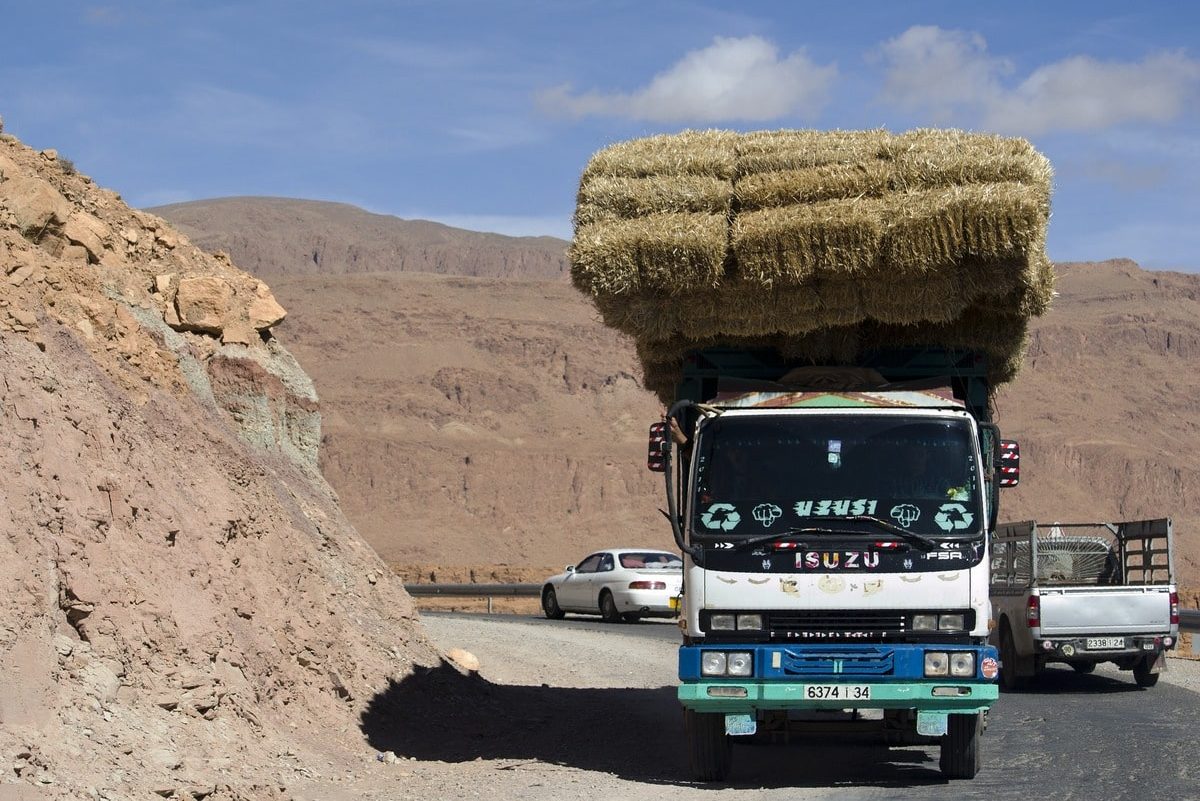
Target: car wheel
<point>1009,678</point>
<point>1142,674</point>
<point>608,608</point>
<point>631,617</point>
<point>709,750</point>
<point>1083,667</point>
<point>960,755</point>
<point>550,604</point>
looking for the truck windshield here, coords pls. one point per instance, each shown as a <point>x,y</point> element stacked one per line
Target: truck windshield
<point>763,473</point>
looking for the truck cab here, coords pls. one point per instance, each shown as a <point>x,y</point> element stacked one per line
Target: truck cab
<point>836,555</point>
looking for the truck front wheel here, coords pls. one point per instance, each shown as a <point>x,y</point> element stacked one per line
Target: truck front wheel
<point>960,747</point>
<point>709,750</point>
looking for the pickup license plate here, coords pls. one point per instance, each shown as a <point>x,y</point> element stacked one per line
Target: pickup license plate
<point>1105,643</point>
<point>837,692</point>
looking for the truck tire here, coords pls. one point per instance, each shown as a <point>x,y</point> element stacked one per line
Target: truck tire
<point>709,751</point>
<point>960,755</point>
<point>1010,679</point>
<point>1142,674</point>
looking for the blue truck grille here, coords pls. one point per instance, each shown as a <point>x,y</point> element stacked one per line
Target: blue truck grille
<point>859,662</point>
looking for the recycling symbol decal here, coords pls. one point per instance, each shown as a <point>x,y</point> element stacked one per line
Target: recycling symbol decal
<point>767,514</point>
<point>723,516</point>
<point>953,517</point>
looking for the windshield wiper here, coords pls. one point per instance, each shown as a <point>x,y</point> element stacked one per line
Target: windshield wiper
<point>789,535</point>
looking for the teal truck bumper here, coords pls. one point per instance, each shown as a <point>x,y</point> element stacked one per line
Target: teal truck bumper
<point>781,676</point>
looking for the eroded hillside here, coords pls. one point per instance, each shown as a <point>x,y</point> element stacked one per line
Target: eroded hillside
<point>182,596</point>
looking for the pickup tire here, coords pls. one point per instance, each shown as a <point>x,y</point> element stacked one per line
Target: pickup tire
<point>1083,667</point>
<point>1142,674</point>
<point>709,751</point>
<point>960,757</point>
<point>1010,679</point>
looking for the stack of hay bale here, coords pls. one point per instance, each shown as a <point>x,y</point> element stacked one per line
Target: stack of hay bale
<point>819,244</point>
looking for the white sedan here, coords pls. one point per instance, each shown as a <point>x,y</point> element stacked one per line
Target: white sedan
<point>618,584</point>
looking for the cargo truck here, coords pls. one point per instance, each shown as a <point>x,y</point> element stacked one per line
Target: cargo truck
<point>835,527</point>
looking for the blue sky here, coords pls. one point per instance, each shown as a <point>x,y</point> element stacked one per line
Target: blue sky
<point>482,115</point>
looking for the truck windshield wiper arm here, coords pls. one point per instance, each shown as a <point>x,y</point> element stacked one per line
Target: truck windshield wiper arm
<point>925,543</point>
<point>904,534</point>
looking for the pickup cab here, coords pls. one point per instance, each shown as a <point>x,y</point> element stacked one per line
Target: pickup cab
<point>1082,594</point>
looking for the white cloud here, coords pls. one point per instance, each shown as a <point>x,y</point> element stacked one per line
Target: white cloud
<point>731,79</point>
<point>951,76</point>
<point>934,70</point>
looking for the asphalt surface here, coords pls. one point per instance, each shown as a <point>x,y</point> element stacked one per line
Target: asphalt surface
<point>1070,736</point>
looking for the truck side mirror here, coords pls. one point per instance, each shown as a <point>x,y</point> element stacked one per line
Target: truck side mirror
<point>1010,463</point>
<point>655,459</point>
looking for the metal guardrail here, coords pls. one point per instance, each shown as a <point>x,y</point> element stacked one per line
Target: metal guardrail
<point>1189,619</point>
<point>474,590</point>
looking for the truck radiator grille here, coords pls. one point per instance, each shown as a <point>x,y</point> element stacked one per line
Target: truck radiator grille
<point>869,662</point>
<point>816,625</point>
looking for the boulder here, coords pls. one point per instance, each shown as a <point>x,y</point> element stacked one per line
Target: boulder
<point>203,303</point>
<point>36,204</point>
<point>87,231</point>
<point>265,311</point>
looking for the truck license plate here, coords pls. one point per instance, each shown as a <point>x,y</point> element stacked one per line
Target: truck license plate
<point>1105,643</point>
<point>837,692</point>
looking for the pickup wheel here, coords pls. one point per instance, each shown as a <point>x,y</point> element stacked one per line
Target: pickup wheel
<point>960,757</point>
<point>709,751</point>
<point>1010,680</point>
<point>1142,674</point>
<point>550,605</point>
<point>1083,667</point>
<point>608,608</point>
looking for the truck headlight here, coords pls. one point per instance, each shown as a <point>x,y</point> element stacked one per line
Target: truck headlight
<point>937,663</point>
<point>740,664</point>
<point>721,623</point>
<point>962,664</point>
<point>950,622</point>
<point>713,663</point>
<point>745,622</point>
<point>925,622</point>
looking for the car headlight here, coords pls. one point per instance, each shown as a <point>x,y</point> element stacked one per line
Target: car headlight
<point>962,664</point>
<point>937,663</point>
<point>712,663</point>
<point>740,664</point>
<point>745,622</point>
<point>925,622</point>
<point>950,622</point>
<point>721,623</point>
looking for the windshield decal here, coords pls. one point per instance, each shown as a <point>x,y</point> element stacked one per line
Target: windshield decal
<point>953,517</point>
<point>723,516</point>
<point>839,508</point>
<point>767,514</point>
<point>905,514</point>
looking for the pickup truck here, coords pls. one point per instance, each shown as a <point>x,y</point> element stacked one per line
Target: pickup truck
<point>1082,594</point>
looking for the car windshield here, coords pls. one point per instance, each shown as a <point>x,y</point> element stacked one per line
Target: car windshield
<point>763,473</point>
<point>653,560</point>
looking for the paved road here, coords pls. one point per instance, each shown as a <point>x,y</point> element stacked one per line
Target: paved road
<point>1071,737</point>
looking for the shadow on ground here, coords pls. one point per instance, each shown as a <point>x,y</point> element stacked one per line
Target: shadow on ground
<point>1056,680</point>
<point>634,733</point>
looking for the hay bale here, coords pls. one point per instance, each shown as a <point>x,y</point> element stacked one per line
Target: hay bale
<point>772,151</point>
<point>709,153</point>
<point>604,198</point>
<point>792,244</point>
<point>673,252</point>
